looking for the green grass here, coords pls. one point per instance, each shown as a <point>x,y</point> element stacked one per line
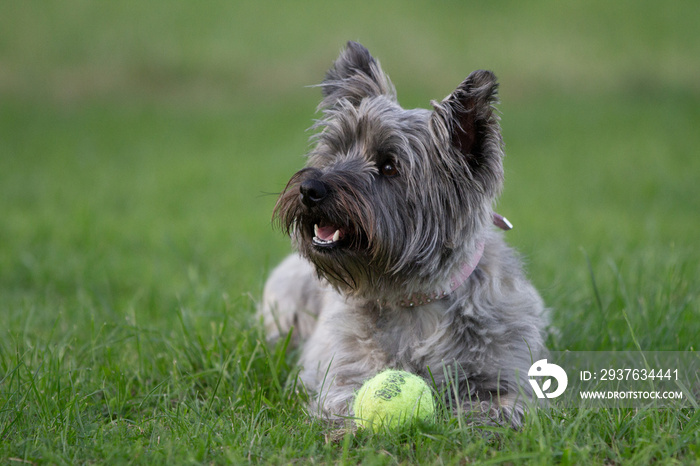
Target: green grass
<point>141,145</point>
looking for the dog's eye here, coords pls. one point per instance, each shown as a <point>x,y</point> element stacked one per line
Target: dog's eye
<point>389,169</point>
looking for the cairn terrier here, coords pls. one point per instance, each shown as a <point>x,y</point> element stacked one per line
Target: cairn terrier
<point>399,264</point>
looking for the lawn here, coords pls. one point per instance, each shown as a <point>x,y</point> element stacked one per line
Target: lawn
<point>141,147</point>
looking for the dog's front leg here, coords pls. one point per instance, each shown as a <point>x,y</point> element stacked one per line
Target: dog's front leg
<point>292,300</point>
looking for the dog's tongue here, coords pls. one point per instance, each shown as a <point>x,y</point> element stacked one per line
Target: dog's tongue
<point>325,233</point>
<point>328,233</point>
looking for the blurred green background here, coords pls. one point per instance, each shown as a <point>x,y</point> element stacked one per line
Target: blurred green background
<point>141,143</point>
<point>141,147</point>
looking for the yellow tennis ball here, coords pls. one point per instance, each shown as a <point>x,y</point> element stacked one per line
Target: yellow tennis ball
<point>393,398</point>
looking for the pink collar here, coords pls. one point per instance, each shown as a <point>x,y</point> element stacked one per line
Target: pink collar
<point>459,278</point>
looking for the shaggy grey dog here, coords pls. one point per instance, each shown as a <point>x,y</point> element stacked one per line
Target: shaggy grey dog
<point>399,263</point>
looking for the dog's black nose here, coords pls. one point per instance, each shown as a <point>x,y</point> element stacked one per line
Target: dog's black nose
<point>312,192</point>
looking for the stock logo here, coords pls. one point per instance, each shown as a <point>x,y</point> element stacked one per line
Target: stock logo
<point>546,371</point>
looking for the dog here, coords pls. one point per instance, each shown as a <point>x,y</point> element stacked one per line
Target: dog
<point>398,262</point>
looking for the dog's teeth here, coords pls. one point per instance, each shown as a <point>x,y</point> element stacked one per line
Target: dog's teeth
<point>336,235</point>
<point>316,230</point>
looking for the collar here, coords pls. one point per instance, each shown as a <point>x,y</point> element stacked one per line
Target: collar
<point>458,279</point>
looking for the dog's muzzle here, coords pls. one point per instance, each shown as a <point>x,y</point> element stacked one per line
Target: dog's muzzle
<point>325,234</point>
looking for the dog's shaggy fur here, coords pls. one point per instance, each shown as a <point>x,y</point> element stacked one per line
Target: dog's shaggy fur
<point>390,206</point>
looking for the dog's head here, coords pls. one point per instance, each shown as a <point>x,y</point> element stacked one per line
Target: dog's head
<point>391,200</point>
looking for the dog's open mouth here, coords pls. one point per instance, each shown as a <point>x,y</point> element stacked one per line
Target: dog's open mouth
<point>327,235</point>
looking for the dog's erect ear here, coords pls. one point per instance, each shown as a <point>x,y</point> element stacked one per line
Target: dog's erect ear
<point>467,119</point>
<point>354,76</point>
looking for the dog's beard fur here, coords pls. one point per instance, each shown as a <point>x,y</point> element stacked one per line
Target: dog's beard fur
<point>407,232</point>
<point>391,203</point>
